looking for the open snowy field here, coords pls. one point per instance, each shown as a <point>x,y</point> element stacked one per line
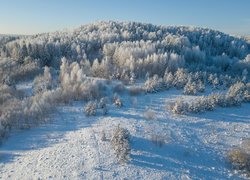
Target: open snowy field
<point>70,145</point>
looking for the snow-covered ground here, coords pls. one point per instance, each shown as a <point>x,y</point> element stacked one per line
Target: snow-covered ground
<point>70,145</point>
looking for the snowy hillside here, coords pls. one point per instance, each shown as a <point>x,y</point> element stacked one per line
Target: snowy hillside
<point>117,100</point>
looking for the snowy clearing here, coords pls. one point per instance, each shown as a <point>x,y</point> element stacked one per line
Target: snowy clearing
<point>70,146</point>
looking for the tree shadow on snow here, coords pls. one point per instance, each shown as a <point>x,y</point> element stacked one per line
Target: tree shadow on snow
<point>6,157</point>
<point>173,157</point>
<point>238,114</point>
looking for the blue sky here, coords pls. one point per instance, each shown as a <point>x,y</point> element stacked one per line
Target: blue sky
<point>36,16</point>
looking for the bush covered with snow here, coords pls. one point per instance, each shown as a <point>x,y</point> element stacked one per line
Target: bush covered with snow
<point>190,88</point>
<point>179,107</point>
<point>149,114</point>
<point>90,108</point>
<point>120,143</point>
<point>117,101</point>
<point>153,84</point>
<point>240,160</point>
<point>103,105</point>
<point>202,104</point>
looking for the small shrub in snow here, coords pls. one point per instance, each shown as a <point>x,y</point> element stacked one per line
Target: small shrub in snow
<point>132,78</point>
<point>202,104</point>
<point>117,101</point>
<point>103,105</point>
<point>103,136</point>
<point>196,106</point>
<point>179,107</point>
<point>239,159</point>
<point>7,80</point>
<point>208,103</point>
<point>120,143</point>
<point>90,108</point>
<point>200,87</point>
<point>150,115</point>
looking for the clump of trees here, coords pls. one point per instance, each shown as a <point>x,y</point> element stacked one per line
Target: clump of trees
<point>191,82</point>
<point>43,82</point>
<point>91,107</point>
<point>76,85</point>
<point>25,112</point>
<point>129,50</point>
<point>237,94</point>
<point>19,111</point>
<point>153,84</point>
<point>11,71</point>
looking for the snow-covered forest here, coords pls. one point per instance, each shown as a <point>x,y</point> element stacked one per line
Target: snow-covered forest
<point>104,64</point>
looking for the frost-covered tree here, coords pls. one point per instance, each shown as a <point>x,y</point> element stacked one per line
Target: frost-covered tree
<point>181,78</point>
<point>44,82</point>
<point>117,101</point>
<point>190,88</point>
<point>168,79</point>
<point>179,107</point>
<point>235,94</point>
<point>153,84</point>
<point>103,105</point>
<point>120,142</point>
<point>90,108</point>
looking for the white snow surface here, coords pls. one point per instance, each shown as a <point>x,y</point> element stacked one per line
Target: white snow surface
<point>69,146</point>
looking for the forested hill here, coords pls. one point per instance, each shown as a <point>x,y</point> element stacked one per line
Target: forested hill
<point>131,46</point>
